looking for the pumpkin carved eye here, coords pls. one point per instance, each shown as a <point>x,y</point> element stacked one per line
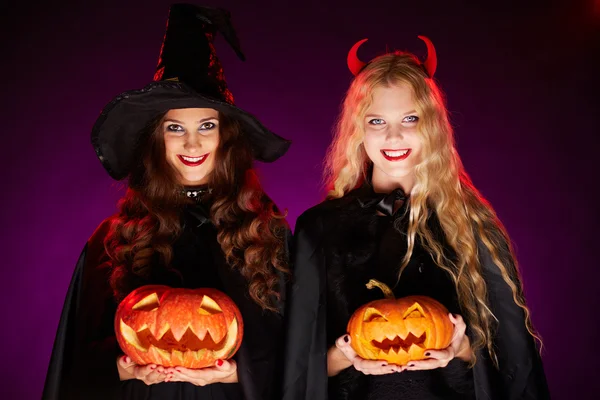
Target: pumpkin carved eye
<point>414,311</point>
<point>373,315</point>
<point>148,303</point>
<point>209,307</point>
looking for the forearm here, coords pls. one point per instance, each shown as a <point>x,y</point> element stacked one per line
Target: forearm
<point>336,361</point>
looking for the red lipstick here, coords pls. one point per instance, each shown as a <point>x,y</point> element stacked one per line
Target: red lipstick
<point>395,155</point>
<point>193,161</point>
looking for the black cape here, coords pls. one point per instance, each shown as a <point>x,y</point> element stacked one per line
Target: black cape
<point>520,374</point>
<point>83,361</point>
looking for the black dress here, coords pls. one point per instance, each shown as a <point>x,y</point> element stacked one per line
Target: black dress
<point>83,363</point>
<point>340,245</point>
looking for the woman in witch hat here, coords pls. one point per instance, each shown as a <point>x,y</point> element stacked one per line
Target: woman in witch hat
<point>402,210</point>
<point>194,216</point>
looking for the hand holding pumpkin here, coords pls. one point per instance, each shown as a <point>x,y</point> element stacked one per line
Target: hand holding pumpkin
<point>367,367</point>
<point>222,372</point>
<point>149,374</point>
<point>459,348</point>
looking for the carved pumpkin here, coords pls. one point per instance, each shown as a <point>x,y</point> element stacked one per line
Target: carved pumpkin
<point>399,330</point>
<point>192,328</point>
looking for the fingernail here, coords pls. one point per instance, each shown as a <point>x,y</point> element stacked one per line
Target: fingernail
<point>346,339</point>
<point>153,367</point>
<point>383,365</point>
<point>428,354</point>
<point>219,363</point>
<point>411,365</point>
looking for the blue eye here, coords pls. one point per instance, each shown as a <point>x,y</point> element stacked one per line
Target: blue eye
<point>411,119</point>
<point>207,126</point>
<point>376,121</point>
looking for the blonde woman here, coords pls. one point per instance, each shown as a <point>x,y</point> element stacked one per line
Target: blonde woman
<point>401,209</point>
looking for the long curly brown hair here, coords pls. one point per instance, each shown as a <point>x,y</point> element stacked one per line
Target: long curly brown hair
<point>250,230</point>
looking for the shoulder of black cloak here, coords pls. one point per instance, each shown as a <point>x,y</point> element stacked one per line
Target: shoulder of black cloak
<point>520,374</point>
<point>305,352</point>
<point>65,349</point>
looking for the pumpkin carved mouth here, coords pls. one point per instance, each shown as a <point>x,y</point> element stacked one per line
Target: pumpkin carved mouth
<point>396,344</point>
<point>168,343</point>
<point>189,341</point>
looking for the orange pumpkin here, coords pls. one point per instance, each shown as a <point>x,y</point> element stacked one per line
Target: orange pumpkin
<point>192,328</point>
<point>399,330</point>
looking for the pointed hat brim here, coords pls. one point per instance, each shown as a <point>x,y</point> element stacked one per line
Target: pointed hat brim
<point>119,129</point>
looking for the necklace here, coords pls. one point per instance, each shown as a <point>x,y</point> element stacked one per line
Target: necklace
<point>196,192</point>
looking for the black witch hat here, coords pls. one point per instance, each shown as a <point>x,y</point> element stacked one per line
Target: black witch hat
<point>188,75</point>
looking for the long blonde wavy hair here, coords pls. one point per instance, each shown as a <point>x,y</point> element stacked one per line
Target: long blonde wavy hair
<point>441,184</point>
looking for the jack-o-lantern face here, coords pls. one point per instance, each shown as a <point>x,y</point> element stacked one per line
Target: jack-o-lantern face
<point>192,328</point>
<point>400,330</point>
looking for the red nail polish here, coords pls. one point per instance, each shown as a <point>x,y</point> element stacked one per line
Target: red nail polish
<point>346,339</point>
<point>427,354</point>
<point>219,363</point>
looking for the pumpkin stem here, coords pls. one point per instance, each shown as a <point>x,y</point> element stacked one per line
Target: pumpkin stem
<point>387,292</point>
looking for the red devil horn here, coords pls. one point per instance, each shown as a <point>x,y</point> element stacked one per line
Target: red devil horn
<point>354,64</point>
<point>431,61</point>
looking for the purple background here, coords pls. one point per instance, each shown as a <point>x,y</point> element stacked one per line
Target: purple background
<point>522,87</point>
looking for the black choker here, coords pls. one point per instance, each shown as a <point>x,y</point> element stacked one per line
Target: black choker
<point>195,193</point>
